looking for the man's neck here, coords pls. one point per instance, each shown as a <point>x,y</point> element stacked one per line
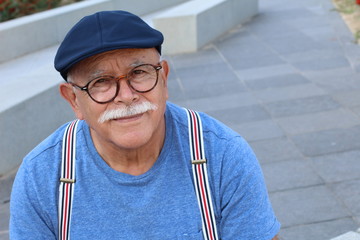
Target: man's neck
<point>133,161</point>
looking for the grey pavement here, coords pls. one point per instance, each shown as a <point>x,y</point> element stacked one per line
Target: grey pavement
<point>289,82</point>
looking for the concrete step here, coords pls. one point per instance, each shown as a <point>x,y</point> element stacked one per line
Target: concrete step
<point>6,183</point>
<point>30,105</point>
<point>349,236</point>
<point>191,25</point>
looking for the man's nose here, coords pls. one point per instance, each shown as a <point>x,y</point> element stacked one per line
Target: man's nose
<point>125,94</point>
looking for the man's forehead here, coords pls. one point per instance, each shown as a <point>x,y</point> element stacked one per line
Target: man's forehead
<point>121,58</point>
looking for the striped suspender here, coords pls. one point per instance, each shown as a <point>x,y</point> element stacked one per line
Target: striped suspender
<point>67,180</point>
<point>201,183</point>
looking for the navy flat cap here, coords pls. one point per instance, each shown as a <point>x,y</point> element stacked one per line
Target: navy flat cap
<point>104,31</point>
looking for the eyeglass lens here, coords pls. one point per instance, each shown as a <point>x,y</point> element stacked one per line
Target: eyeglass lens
<point>142,78</point>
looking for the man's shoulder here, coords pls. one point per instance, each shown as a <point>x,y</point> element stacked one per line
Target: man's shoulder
<point>217,128</point>
<point>49,146</point>
<point>209,124</point>
<point>216,134</point>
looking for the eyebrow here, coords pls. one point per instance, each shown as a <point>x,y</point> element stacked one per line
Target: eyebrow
<point>95,74</point>
<point>99,73</point>
<point>137,63</point>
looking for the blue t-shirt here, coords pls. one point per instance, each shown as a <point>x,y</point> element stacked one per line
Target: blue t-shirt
<point>159,204</point>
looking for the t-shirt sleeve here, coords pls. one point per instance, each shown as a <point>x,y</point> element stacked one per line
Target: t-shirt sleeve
<point>28,220</point>
<point>246,211</point>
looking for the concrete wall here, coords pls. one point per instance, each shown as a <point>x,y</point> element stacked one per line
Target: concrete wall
<point>193,24</point>
<point>142,7</point>
<point>32,33</point>
<point>25,125</point>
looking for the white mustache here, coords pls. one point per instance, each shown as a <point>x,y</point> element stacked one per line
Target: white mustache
<point>127,111</point>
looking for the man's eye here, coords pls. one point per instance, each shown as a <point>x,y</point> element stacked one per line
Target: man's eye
<point>138,71</point>
<point>101,82</point>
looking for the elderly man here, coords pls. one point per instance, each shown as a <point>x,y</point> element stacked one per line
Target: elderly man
<point>135,166</point>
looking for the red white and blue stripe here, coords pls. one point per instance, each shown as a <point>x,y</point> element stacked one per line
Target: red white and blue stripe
<point>67,180</point>
<point>201,182</point>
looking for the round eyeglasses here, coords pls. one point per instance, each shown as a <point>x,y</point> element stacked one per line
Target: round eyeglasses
<point>104,89</point>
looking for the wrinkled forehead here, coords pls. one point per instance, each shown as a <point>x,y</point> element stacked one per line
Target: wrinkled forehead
<point>115,60</point>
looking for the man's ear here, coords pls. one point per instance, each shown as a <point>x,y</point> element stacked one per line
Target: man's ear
<point>165,69</point>
<point>165,74</point>
<point>67,92</point>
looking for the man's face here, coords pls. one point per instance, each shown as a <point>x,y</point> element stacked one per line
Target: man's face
<point>130,132</point>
